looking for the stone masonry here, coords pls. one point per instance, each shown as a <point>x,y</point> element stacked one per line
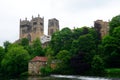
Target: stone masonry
<point>102,27</point>
<point>35,28</point>
<point>53,26</point>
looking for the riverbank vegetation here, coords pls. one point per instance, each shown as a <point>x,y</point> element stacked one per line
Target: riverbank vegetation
<point>80,51</point>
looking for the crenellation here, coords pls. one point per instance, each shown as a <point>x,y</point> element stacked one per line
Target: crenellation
<point>53,26</point>
<point>34,28</point>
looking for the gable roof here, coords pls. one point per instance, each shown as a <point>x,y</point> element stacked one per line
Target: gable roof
<point>39,58</point>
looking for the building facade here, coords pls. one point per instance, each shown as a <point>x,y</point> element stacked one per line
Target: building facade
<point>34,28</point>
<point>53,26</point>
<point>102,27</point>
<point>35,64</point>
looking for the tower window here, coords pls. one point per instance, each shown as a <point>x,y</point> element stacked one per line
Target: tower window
<point>34,23</point>
<point>41,24</point>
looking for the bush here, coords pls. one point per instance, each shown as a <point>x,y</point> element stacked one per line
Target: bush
<point>24,73</point>
<point>113,72</point>
<point>45,71</point>
<point>98,66</point>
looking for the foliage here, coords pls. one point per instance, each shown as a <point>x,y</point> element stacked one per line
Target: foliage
<point>45,71</point>
<point>6,44</point>
<point>63,61</point>
<point>2,53</point>
<point>15,61</point>
<point>112,48</point>
<point>115,22</point>
<point>98,66</point>
<point>24,42</point>
<point>75,51</point>
<point>113,72</point>
<point>61,40</point>
<point>78,63</point>
<point>37,48</point>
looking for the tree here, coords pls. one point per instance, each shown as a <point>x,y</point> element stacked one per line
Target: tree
<point>6,44</point>
<point>98,66</point>
<point>79,64</point>
<point>61,40</point>
<point>24,42</point>
<point>112,48</point>
<point>37,48</point>
<point>115,22</point>
<point>86,43</point>
<point>63,58</point>
<point>2,53</point>
<point>116,33</point>
<point>15,61</point>
<point>110,44</point>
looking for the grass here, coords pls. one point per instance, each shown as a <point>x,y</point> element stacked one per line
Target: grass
<point>113,72</point>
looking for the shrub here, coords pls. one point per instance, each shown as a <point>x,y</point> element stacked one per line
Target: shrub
<point>45,71</point>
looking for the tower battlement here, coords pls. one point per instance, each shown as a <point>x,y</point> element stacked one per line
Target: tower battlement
<point>53,26</point>
<point>34,28</point>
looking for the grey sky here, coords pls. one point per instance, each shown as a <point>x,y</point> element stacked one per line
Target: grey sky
<point>70,13</point>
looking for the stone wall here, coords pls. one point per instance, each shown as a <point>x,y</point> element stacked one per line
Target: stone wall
<point>102,27</point>
<point>34,67</point>
<point>53,26</point>
<point>32,29</point>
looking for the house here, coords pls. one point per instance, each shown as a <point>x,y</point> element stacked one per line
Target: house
<point>35,64</point>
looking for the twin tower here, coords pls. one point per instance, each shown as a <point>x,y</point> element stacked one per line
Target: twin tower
<point>35,28</point>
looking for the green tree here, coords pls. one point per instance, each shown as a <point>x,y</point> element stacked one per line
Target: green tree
<point>98,66</point>
<point>110,44</point>
<point>15,61</point>
<point>115,22</point>
<point>61,40</point>
<point>24,42</point>
<point>37,48</point>
<point>63,65</point>
<point>6,44</point>
<point>116,33</point>
<point>112,48</point>
<point>2,53</point>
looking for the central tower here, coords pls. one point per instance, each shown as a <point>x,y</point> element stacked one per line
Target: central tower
<point>32,29</point>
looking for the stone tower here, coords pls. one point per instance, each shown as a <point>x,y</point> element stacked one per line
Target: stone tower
<point>32,29</point>
<point>102,27</point>
<point>53,26</point>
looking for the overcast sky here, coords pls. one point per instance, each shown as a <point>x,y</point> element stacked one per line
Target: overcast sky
<point>70,13</point>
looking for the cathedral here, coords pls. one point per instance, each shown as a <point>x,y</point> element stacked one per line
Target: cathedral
<point>34,28</point>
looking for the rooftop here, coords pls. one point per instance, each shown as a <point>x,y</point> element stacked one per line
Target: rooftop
<point>39,58</point>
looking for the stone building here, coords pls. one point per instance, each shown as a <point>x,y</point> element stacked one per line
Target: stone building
<point>102,27</point>
<point>32,29</point>
<point>35,64</point>
<point>38,62</point>
<point>53,26</point>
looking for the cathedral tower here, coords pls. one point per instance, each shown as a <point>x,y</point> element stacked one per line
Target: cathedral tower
<point>53,26</point>
<point>102,27</point>
<point>32,29</point>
